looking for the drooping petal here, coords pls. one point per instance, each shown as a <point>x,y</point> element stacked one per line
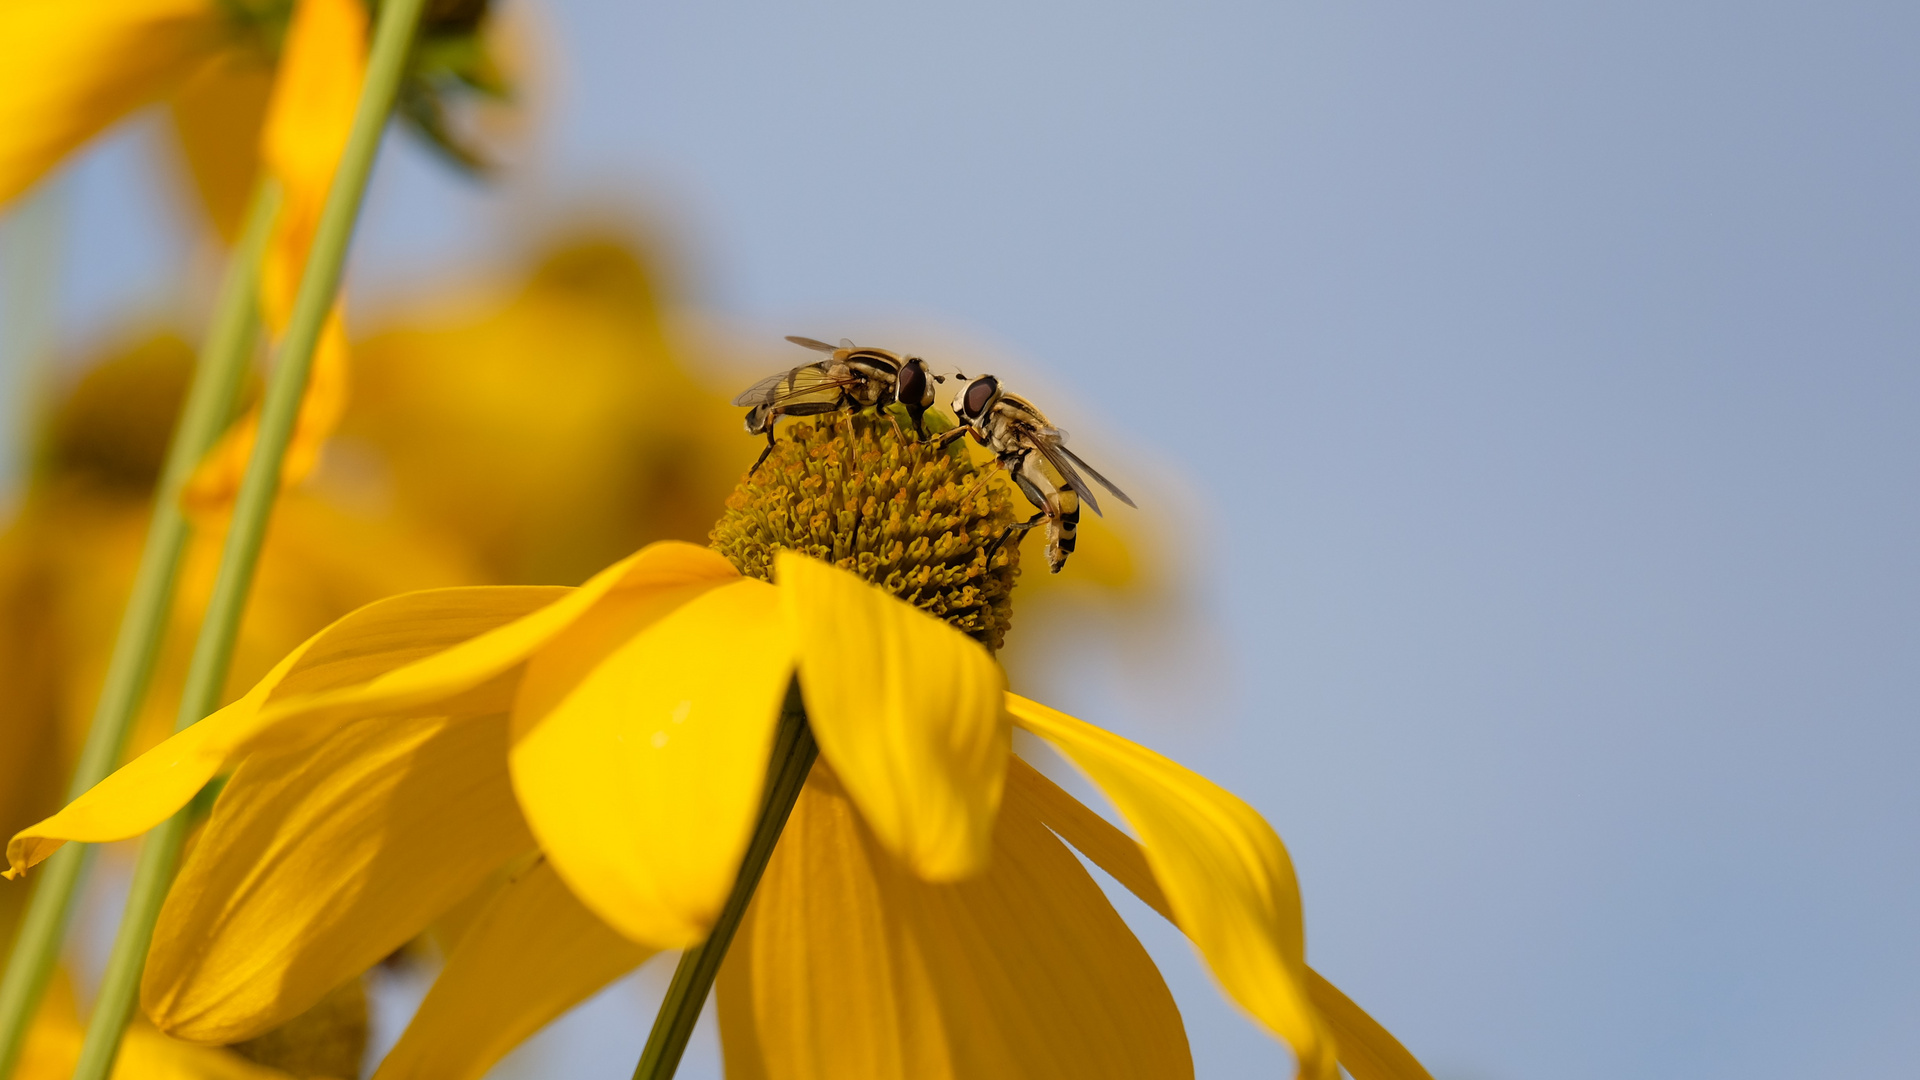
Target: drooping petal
<point>530,955</point>
<point>1367,1050</point>
<point>908,711</point>
<point>74,68</point>
<point>643,778</point>
<point>379,638</point>
<point>309,118</point>
<point>849,967</point>
<point>319,861</point>
<point>1228,879</point>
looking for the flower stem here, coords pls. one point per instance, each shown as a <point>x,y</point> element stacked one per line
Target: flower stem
<point>208,408</point>
<point>793,754</point>
<point>213,650</point>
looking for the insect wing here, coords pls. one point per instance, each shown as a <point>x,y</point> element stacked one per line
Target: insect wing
<point>1057,457</point>
<point>800,382</point>
<point>809,343</point>
<point>1097,478</point>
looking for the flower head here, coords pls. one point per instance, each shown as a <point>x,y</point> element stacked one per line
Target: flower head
<point>579,770</point>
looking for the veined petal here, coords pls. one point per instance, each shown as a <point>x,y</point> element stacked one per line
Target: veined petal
<point>319,861</point>
<point>908,711</point>
<point>1226,875</point>
<point>380,637</point>
<point>530,955</point>
<point>74,68</point>
<point>643,779</point>
<point>1367,1050</point>
<point>849,967</point>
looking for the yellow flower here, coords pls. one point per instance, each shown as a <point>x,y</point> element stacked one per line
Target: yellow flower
<point>574,774</point>
<point>70,70</point>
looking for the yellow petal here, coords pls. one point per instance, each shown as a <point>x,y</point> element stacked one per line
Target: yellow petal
<point>315,91</point>
<point>309,118</point>
<point>849,967</point>
<point>531,955</point>
<point>71,69</point>
<point>1227,877</point>
<point>644,779</point>
<point>1367,1050</point>
<point>319,861</point>
<point>908,711</point>
<point>383,636</point>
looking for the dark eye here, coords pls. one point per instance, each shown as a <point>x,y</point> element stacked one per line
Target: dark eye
<point>913,383</point>
<point>980,393</point>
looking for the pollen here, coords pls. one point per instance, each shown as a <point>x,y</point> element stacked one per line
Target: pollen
<point>869,496</point>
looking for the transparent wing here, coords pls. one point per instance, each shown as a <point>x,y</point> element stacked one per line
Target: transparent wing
<point>807,342</point>
<point>1062,463</point>
<point>812,380</point>
<point>1097,478</point>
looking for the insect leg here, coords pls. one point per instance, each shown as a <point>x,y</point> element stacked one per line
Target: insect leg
<point>945,438</point>
<point>762,459</point>
<point>1014,530</point>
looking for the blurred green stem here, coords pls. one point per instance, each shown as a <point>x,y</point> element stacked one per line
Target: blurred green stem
<point>143,626</point>
<point>793,753</point>
<point>207,674</point>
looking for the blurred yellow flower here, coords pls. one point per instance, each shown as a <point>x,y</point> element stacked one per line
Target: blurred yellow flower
<point>551,422</point>
<point>606,746</point>
<point>68,70</point>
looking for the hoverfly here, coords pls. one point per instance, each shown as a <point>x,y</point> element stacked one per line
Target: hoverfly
<point>851,378</point>
<point>1035,454</point>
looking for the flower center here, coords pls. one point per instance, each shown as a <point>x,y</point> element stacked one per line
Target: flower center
<point>851,490</point>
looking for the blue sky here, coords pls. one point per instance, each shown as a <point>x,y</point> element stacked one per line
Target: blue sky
<point>1542,380</point>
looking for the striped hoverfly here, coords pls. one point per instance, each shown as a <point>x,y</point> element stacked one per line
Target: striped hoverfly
<point>1034,453</point>
<point>851,378</point>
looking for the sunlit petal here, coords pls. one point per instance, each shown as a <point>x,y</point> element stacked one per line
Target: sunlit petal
<point>643,780</point>
<point>1227,877</point>
<point>908,711</point>
<point>850,967</point>
<point>1367,1050</point>
<point>530,955</point>
<point>74,68</point>
<point>379,638</point>
<point>317,862</point>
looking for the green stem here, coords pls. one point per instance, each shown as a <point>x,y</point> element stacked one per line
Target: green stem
<point>793,754</point>
<point>143,626</point>
<point>213,651</point>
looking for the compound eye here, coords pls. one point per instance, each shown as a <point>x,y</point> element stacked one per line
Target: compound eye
<point>980,393</point>
<point>914,388</point>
